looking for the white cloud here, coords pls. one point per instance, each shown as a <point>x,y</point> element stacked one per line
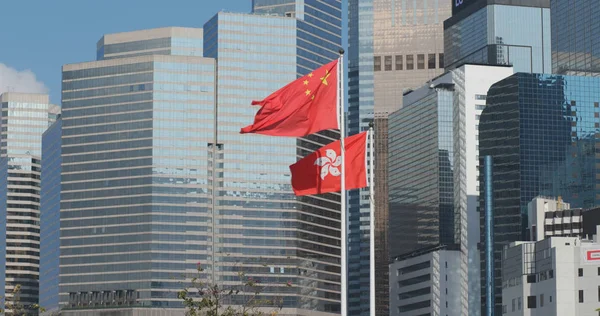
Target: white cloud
<point>20,81</point>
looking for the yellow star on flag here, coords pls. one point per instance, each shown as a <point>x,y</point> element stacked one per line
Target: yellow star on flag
<point>324,79</point>
<point>307,92</point>
<point>306,82</point>
<point>310,75</point>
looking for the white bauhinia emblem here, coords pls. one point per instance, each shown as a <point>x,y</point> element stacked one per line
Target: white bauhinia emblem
<point>330,164</point>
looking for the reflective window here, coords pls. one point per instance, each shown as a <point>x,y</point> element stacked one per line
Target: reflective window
<point>410,63</point>
<point>377,63</point>
<point>431,61</point>
<point>420,61</point>
<point>388,63</point>
<point>399,62</point>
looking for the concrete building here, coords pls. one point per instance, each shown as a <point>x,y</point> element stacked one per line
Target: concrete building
<point>433,178</point>
<point>575,37</point>
<point>24,118</point>
<point>540,131</point>
<point>157,178</point>
<point>549,217</point>
<point>394,46</point>
<point>553,277</point>
<point>591,220</point>
<point>50,218</point>
<point>499,32</point>
<point>424,283</point>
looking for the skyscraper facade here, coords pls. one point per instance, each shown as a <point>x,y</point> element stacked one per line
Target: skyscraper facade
<point>499,32</point>
<point>421,180</point>
<point>157,178</point>
<point>433,171</point>
<point>50,218</point>
<point>135,201</point>
<point>260,220</point>
<point>319,30</point>
<point>540,131</point>
<point>575,37</point>
<point>393,46</point>
<point>24,119</point>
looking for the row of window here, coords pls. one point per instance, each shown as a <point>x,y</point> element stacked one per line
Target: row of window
<point>567,226</point>
<point>407,62</point>
<point>532,301</point>
<point>531,278</point>
<point>580,271</point>
<point>565,213</point>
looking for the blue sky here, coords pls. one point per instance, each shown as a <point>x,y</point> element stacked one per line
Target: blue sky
<point>43,35</point>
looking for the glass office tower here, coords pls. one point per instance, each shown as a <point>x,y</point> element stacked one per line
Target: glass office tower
<point>499,32</point>
<point>136,210</point>
<point>157,178</point>
<point>24,119</point>
<point>394,46</point>
<point>540,131</point>
<point>319,38</point>
<point>50,217</point>
<point>421,164</point>
<point>433,180</point>
<point>297,240</point>
<point>575,37</point>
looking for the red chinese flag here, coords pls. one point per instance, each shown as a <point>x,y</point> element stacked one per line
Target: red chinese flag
<point>320,172</point>
<point>303,107</point>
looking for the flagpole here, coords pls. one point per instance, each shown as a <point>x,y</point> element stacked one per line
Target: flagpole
<point>372,221</point>
<point>343,213</point>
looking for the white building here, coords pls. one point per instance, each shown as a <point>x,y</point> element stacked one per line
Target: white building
<point>550,217</point>
<point>556,276</point>
<point>425,283</point>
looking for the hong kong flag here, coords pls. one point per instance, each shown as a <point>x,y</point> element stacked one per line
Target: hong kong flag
<point>320,171</point>
<point>303,107</point>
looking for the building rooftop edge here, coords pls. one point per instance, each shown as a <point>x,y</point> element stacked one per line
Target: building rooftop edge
<point>437,81</point>
<point>129,60</point>
<point>470,9</point>
<point>426,250</point>
<point>146,34</point>
<point>24,97</point>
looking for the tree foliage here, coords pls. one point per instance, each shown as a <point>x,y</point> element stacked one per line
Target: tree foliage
<point>14,307</point>
<point>202,298</point>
